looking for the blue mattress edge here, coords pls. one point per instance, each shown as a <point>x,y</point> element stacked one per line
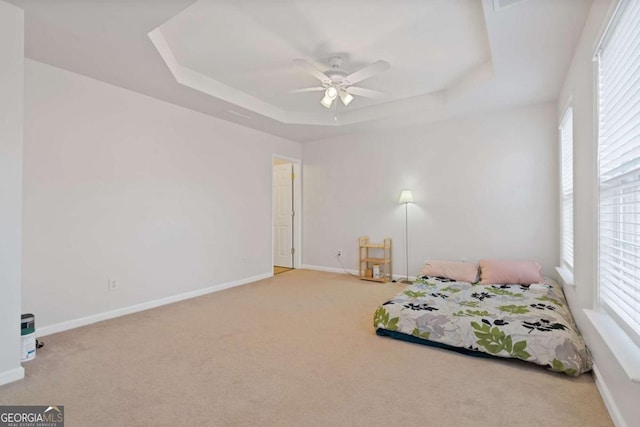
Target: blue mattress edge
<point>412,339</point>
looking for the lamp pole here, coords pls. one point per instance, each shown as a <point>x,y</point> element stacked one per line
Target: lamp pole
<point>406,197</point>
<point>406,240</point>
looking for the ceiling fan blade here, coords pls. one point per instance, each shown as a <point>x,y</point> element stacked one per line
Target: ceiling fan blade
<point>367,93</point>
<point>309,68</point>
<point>308,89</point>
<point>368,71</point>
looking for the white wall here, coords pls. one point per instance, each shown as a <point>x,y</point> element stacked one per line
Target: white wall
<point>580,85</point>
<point>118,185</point>
<point>484,186</point>
<point>11,111</point>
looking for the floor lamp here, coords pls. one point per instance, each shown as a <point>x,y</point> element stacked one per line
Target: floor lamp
<point>406,197</point>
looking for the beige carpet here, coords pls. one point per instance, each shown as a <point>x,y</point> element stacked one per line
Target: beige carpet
<point>298,349</point>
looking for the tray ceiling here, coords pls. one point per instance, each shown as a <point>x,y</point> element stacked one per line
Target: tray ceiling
<point>242,51</point>
<point>233,59</point>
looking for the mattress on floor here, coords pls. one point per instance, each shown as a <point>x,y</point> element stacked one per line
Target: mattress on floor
<point>528,323</point>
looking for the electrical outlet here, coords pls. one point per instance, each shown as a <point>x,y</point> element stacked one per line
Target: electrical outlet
<point>113,285</point>
<point>244,261</point>
<point>339,252</point>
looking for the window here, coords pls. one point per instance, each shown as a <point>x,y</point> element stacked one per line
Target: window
<point>619,169</point>
<point>566,164</point>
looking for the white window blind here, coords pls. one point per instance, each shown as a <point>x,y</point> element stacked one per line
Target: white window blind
<point>619,174</point>
<point>566,150</point>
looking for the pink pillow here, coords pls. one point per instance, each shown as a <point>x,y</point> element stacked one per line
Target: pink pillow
<point>462,271</point>
<point>503,271</point>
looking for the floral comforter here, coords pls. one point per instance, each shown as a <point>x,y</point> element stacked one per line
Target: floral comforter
<point>529,323</point>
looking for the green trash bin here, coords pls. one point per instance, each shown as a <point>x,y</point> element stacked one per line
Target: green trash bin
<point>28,335</point>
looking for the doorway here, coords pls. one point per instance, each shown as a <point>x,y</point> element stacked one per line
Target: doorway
<point>286,209</point>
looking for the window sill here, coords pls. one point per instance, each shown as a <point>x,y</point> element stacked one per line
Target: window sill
<point>626,352</point>
<point>566,276</point>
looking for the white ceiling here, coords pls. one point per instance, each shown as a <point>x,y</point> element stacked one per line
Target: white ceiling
<point>260,42</point>
<point>233,59</point>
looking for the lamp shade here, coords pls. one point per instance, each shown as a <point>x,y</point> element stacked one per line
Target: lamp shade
<point>406,196</point>
<point>346,97</point>
<point>331,93</point>
<point>326,102</point>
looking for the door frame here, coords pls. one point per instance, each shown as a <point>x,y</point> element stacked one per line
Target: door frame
<point>297,207</point>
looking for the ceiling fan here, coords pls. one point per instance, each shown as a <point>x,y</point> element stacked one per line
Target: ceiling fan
<point>338,83</point>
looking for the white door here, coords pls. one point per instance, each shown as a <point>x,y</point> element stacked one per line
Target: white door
<point>282,215</point>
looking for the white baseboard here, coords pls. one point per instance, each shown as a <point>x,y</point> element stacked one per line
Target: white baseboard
<point>340,270</point>
<point>328,269</point>
<point>11,375</point>
<point>75,323</point>
<point>614,412</point>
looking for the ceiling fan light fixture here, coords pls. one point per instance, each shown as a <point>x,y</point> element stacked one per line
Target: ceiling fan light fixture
<point>331,93</point>
<point>326,102</point>
<point>336,81</point>
<point>346,97</point>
